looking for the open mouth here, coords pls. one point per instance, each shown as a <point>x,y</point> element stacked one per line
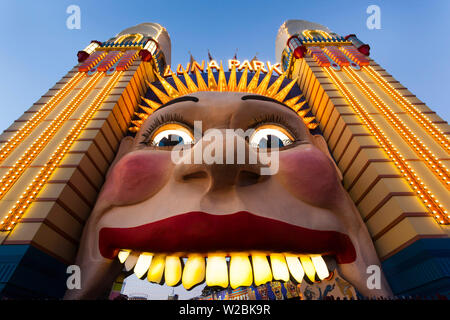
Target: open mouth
<point>237,249</point>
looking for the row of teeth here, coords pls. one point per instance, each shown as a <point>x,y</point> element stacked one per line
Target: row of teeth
<point>240,272</point>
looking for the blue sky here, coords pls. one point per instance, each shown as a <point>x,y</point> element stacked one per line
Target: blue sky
<point>37,49</point>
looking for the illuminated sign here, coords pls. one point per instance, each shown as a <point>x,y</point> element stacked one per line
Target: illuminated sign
<point>252,66</point>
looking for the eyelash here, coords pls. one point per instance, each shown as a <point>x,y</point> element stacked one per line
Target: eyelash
<point>177,118</point>
<point>161,120</point>
<point>276,119</point>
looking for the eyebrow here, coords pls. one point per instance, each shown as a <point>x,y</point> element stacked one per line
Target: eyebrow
<point>180,99</point>
<point>263,98</point>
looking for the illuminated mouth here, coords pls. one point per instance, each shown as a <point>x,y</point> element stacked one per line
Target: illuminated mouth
<point>237,250</point>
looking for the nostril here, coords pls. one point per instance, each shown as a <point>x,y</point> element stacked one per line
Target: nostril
<point>247,178</point>
<point>195,175</point>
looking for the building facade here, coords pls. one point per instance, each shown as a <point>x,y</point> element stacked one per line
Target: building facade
<point>392,151</point>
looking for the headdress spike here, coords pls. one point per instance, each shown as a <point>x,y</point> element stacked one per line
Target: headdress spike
<point>161,96</point>
<point>212,84</point>
<point>180,85</point>
<point>242,86</point>
<point>273,89</point>
<point>152,104</point>
<point>298,106</point>
<point>232,81</point>
<point>200,82</point>
<point>222,85</point>
<point>262,88</point>
<point>171,91</point>
<point>280,96</point>
<point>190,83</point>
<point>291,102</point>
<point>254,82</point>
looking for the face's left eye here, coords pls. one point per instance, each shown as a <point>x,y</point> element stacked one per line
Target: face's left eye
<point>270,137</point>
<point>170,135</point>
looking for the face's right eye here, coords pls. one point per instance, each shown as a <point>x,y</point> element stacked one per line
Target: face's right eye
<point>170,135</point>
<point>270,137</point>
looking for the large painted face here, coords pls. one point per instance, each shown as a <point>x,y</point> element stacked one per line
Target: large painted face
<point>151,203</point>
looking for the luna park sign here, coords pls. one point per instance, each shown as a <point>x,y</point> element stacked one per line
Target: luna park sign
<point>252,66</point>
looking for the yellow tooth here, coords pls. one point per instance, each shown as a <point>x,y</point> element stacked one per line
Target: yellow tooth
<point>131,260</point>
<point>279,267</point>
<point>156,270</point>
<point>194,271</point>
<point>142,264</point>
<point>308,267</point>
<point>240,270</point>
<point>172,272</point>
<point>261,269</point>
<point>217,271</point>
<point>123,255</point>
<point>320,266</point>
<point>295,268</point>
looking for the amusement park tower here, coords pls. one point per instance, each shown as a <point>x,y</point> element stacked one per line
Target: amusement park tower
<point>391,149</point>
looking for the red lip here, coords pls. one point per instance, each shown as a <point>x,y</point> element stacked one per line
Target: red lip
<point>202,232</point>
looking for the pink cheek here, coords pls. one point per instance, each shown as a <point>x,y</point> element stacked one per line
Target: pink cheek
<point>308,174</point>
<point>136,177</point>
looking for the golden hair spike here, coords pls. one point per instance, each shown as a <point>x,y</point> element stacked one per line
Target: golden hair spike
<point>142,116</point>
<point>297,107</point>
<point>222,85</point>
<point>190,83</point>
<point>291,102</point>
<point>146,109</point>
<point>280,96</point>
<point>137,123</point>
<point>242,86</point>
<point>232,81</point>
<point>254,82</point>
<point>133,129</point>
<point>180,85</point>
<point>262,88</point>
<point>212,84</point>
<point>307,120</point>
<point>161,96</point>
<point>273,89</point>
<point>200,82</point>
<point>312,126</point>
<point>152,104</point>
<point>171,91</point>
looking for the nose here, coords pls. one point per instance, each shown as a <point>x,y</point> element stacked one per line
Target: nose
<point>221,160</point>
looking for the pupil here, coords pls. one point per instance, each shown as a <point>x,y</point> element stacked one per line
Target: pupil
<point>271,141</point>
<point>170,141</point>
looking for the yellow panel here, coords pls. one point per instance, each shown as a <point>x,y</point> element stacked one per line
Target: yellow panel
<point>356,143</point>
<point>407,229</point>
<point>53,144</point>
<point>379,192</point>
<point>21,184</point>
<point>360,161</point>
<point>433,184</point>
<point>394,137</point>
<point>24,231</point>
<point>391,210</point>
<point>3,235</point>
<point>372,172</point>
<point>55,243</point>
<point>434,147</point>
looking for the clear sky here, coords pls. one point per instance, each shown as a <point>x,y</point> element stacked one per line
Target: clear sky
<point>37,48</point>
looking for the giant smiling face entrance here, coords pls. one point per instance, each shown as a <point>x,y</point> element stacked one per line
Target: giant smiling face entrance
<point>313,177</point>
<point>235,225</point>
